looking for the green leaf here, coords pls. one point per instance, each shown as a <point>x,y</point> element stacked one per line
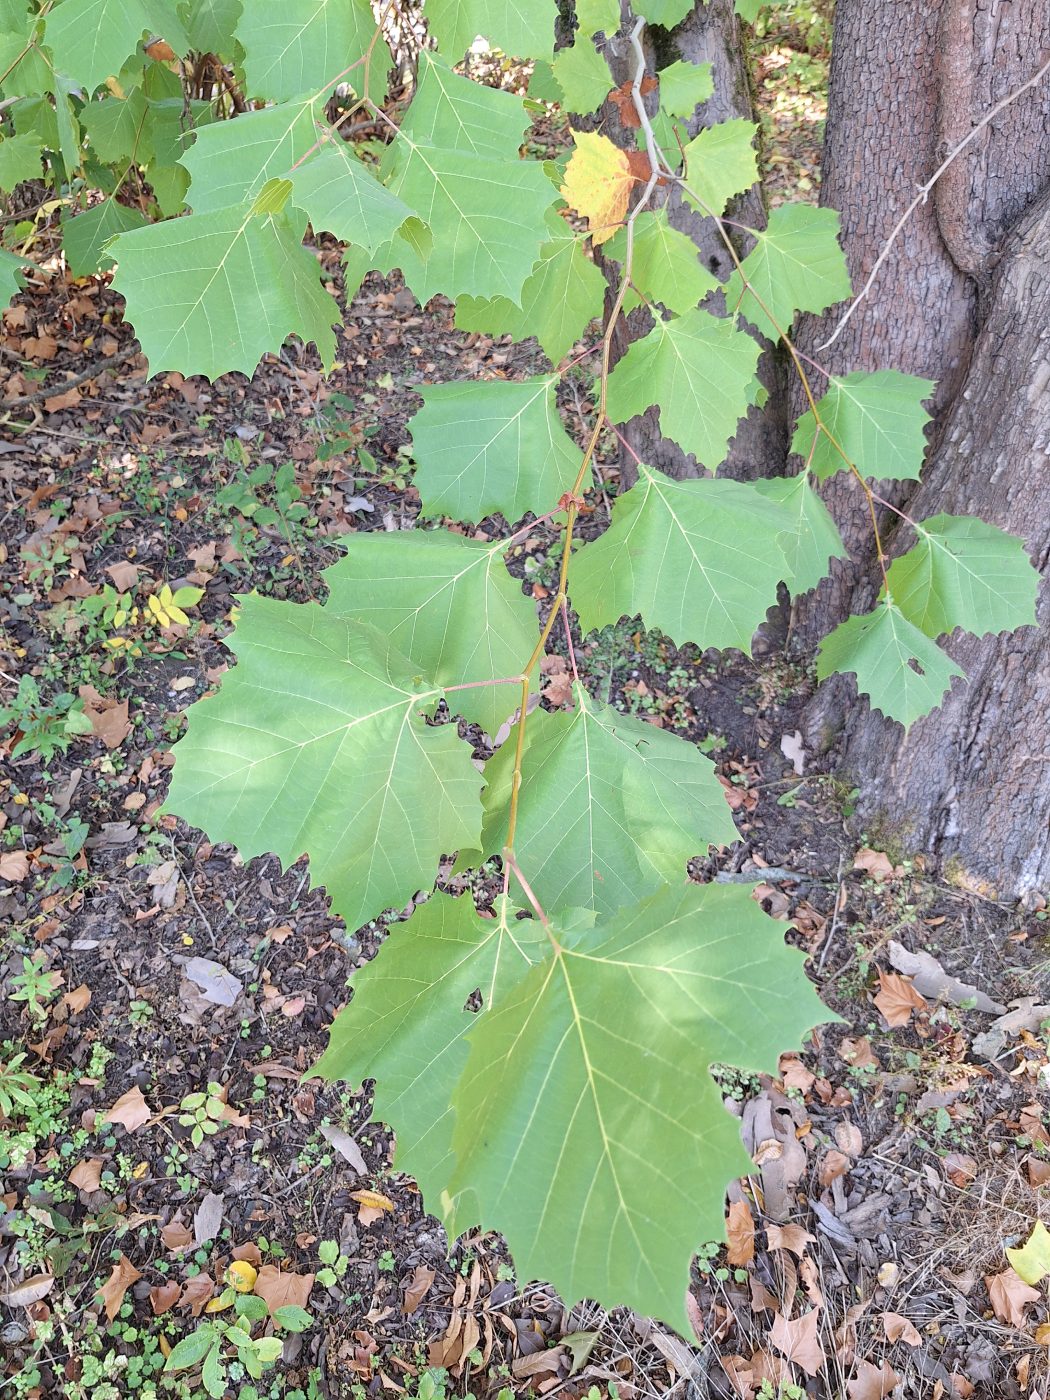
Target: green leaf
<point>796,265</point>
<point>684,87</point>
<point>316,743</point>
<point>85,236</point>
<point>665,265</point>
<point>899,668</point>
<point>583,76</point>
<point>210,24</point>
<point>698,559</point>
<point>215,292</point>
<point>446,602</point>
<point>456,164</point>
<point>341,196</point>
<point>720,162</point>
<point>213,1373</point>
<point>749,10</point>
<point>1031,1262</point>
<point>307,46</point>
<point>877,419</point>
<point>610,808</point>
<point>595,15</point>
<point>231,161</point>
<point>24,69</point>
<point>406,1024</point>
<point>602,1051</point>
<point>19,159</point>
<point>11,279</point>
<point>268,1349</point>
<point>667,12</point>
<point>564,294</point>
<point>521,28</point>
<point>700,370</point>
<point>492,445</point>
<point>91,39</point>
<point>811,538</point>
<point>115,127</point>
<point>292,1318</point>
<point>964,573</point>
<point>191,1350</point>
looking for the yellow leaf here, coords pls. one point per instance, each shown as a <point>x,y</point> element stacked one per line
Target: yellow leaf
<point>241,1276</point>
<point>156,607</point>
<point>375,1200</point>
<point>598,183</point>
<point>1032,1261</point>
<point>166,1347</point>
<point>221,1303</point>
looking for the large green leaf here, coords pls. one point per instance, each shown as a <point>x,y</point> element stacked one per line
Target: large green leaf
<point>11,278</point>
<point>964,573</point>
<point>564,293</point>
<point>85,236</point>
<point>90,39</point>
<point>341,196</point>
<point>492,445</point>
<point>19,159</point>
<point>665,263</point>
<point>588,1128</point>
<point>521,28</point>
<point>611,808</point>
<point>700,370</point>
<point>899,668</point>
<point>231,161</point>
<point>700,560</point>
<point>24,67</point>
<point>796,265</point>
<point>449,604</point>
<point>811,538</point>
<point>583,76</point>
<point>877,420</point>
<point>720,162</point>
<point>296,47</point>
<point>685,86</point>
<point>317,744</point>
<point>455,162</point>
<point>667,12</point>
<point>406,1026</point>
<point>210,24</point>
<point>595,15</point>
<point>214,292</point>
<point>115,127</point>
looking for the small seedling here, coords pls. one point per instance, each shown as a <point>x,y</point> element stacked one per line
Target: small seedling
<point>202,1113</point>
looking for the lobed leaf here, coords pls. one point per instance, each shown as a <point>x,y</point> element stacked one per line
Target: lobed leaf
<point>665,263</point>
<point>899,668</point>
<point>700,560</point>
<point>340,195</point>
<point>720,162</point>
<point>446,602</point>
<point>521,28</point>
<point>582,75</point>
<point>796,265</point>
<point>231,161</point>
<point>316,743</point>
<point>91,39</point>
<point>878,421</point>
<point>685,86</point>
<point>19,159</point>
<point>810,538</point>
<point>86,236</point>
<point>494,445</point>
<point>296,47</point>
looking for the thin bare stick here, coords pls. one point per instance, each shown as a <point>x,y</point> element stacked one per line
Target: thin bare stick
<point>924,194</point>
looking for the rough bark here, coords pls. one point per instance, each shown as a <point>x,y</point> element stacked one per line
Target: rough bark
<point>972,780</point>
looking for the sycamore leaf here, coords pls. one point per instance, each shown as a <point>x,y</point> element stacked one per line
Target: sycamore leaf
<point>214,292</point>
<point>11,278</point>
<point>611,808</point>
<point>749,9</point>
<point>406,1025</point>
<point>86,235</point>
<point>317,744</point>
<point>19,159</point>
<point>698,559</point>
<point>667,12</point>
<point>231,161</point>
<point>446,602</point>
<point>303,46</point>
<point>700,369</point>
<point>598,183</point>
<point>685,86</point>
<point>878,421</point>
<point>582,75</point>
<point>964,573</point>
<point>521,28</point>
<point>899,668</point>
<point>810,538</point>
<point>796,265</point>
<point>115,127</point>
<point>1031,1262</point>
<point>665,264</point>
<point>210,24</point>
<point>720,162</point>
<point>24,67</point>
<point>90,39</point>
<point>455,162</point>
<point>564,293</point>
<point>492,445</point>
<point>340,195</point>
<point>602,1047</point>
<point>595,15</point>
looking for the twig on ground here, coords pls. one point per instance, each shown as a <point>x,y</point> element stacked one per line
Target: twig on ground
<point>96,369</point>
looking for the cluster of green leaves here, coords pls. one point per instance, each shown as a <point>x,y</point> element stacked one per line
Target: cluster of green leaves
<point>575,1111</point>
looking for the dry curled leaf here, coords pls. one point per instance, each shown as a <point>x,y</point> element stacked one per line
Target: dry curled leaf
<point>280,1290</point>
<point>897,998</point>
<point>798,1341</point>
<point>1010,1296</point>
<point>872,1382</point>
<point>131,1110</point>
<point>417,1289</point>
<point>740,1235</point>
<point>899,1329</point>
<point>86,1175</point>
<point>793,1238</point>
<point>123,1275</point>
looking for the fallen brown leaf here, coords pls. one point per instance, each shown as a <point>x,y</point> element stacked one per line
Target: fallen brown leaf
<point>877,864</point>
<point>1009,1296</point>
<point>30,1291</point>
<point>195,1294</point>
<point>14,865</point>
<point>86,1175</point>
<point>833,1165</point>
<point>418,1288</point>
<point>78,999</point>
<point>871,1382</point>
<point>131,1110</point>
<point>164,1297</point>
<point>740,1235</point>
<point>175,1235</point>
<point>897,998</point>
<point>798,1341</point>
<point>278,1289</point>
<point>793,1238</point>
<point>899,1329</point>
<point>123,1275</point>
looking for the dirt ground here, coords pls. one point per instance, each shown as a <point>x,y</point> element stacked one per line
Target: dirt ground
<point>896,1158</point>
